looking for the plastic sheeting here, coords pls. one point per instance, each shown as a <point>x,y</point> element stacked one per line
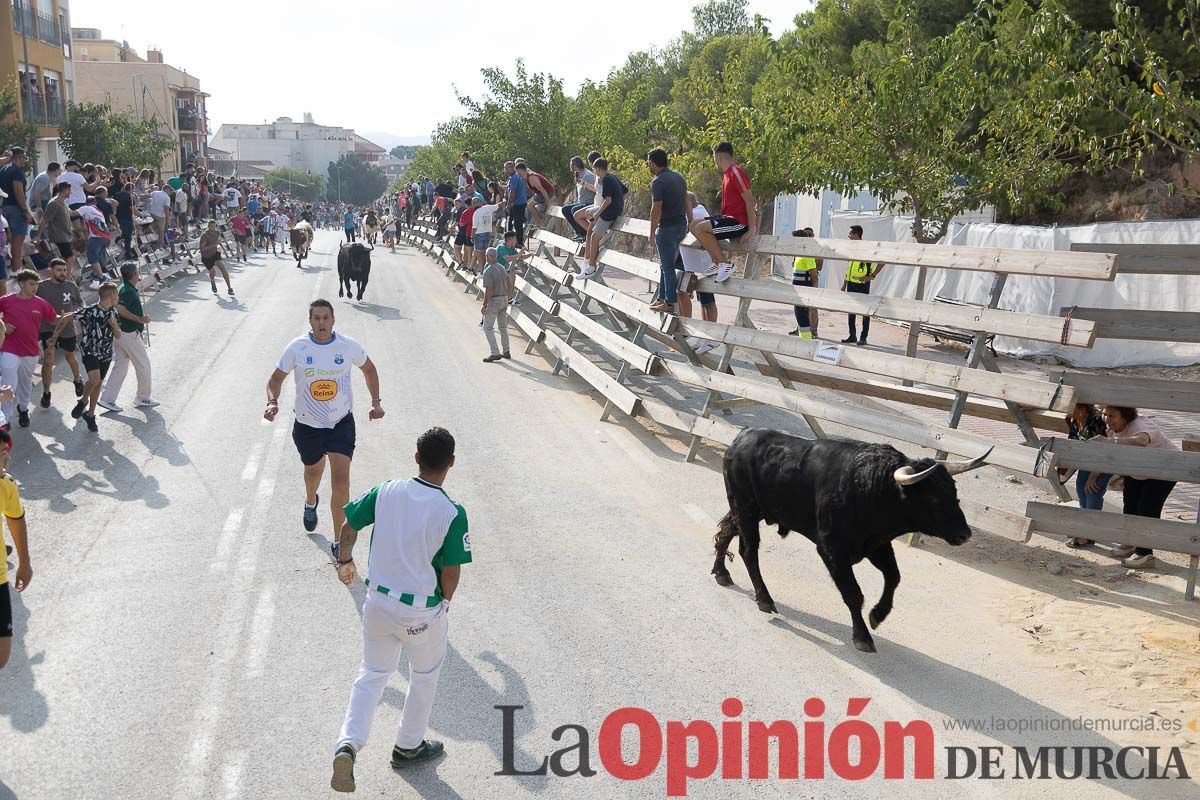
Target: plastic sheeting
<point>1036,295</point>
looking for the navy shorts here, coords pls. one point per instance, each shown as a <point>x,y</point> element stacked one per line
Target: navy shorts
<point>5,611</point>
<point>17,224</point>
<point>313,444</point>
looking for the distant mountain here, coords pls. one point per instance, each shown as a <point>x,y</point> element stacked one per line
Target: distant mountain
<point>387,140</point>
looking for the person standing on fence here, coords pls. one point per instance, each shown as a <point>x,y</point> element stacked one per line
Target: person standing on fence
<point>806,271</point>
<point>739,212</point>
<point>419,543</point>
<point>668,224</point>
<point>1143,497</point>
<point>859,275</point>
<point>56,221</point>
<point>495,306</point>
<point>517,194</point>
<point>129,348</point>
<point>124,200</point>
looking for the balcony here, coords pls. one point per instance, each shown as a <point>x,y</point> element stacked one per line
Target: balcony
<point>48,29</point>
<point>24,20</point>
<point>187,121</point>
<point>39,111</point>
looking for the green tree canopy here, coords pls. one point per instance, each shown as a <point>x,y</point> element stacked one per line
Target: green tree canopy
<point>296,182</point>
<point>354,181</point>
<point>93,132</point>
<point>13,129</point>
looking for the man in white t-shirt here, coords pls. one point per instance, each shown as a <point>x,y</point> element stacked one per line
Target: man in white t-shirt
<point>79,184</point>
<point>233,198</point>
<point>321,362</point>
<point>699,262</point>
<point>157,204</point>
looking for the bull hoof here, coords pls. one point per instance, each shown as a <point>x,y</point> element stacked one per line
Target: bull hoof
<point>876,617</point>
<point>864,645</point>
<point>723,579</point>
<point>767,606</point>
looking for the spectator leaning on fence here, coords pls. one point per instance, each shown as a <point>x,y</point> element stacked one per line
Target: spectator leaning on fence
<point>56,221</point>
<point>517,194</point>
<point>42,188</point>
<point>541,192</point>
<point>1143,497</point>
<point>698,262</point>
<point>859,275</point>
<point>668,224</point>
<point>806,271</point>
<point>739,214</point>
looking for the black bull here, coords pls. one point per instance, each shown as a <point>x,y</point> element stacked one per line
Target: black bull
<point>851,499</point>
<point>354,264</point>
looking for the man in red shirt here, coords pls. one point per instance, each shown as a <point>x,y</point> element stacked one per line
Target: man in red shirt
<point>739,214</point>
<point>23,314</point>
<point>240,224</point>
<point>541,191</point>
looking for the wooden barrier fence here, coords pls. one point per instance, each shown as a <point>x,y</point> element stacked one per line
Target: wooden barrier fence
<point>620,328</point>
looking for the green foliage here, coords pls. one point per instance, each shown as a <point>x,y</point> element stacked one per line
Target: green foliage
<point>937,106</point>
<point>355,181</point>
<point>403,151</point>
<point>14,130</point>
<point>296,182</point>
<point>93,132</point>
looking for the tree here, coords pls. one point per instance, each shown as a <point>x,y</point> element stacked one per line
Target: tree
<point>403,151</point>
<point>354,181</point>
<point>306,186</point>
<point>720,18</point>
<point>935,127</point>
<point>93,132</point>
<point>13,129</point>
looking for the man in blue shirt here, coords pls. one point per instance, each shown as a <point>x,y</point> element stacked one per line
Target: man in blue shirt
<point>348,224</point>
<point>518,199</point>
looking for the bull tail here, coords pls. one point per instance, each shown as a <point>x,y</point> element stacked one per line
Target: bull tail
<point>726,530</point>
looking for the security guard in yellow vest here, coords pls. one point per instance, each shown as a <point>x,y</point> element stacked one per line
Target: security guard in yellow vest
<point>858,281</point>
<point>806,271</point>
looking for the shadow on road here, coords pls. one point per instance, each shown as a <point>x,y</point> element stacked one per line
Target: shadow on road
<point>23,704</point>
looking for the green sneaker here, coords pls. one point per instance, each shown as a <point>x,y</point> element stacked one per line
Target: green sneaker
<point>343,770</point>
<point>423,752</point>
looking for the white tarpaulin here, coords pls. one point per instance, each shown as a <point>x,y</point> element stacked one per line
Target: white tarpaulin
<point>1046,295</point>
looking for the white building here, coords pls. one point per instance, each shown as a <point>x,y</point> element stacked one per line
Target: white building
<point>284,143</point>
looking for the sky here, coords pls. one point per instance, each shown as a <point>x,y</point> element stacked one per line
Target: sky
<point>385,66</point>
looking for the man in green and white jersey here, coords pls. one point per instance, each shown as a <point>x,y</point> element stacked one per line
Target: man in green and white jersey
<point>417,548</point>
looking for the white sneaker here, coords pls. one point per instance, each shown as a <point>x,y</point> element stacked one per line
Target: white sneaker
<point>723,272</point>
<point>588,271</point>
<point>708,273</point>
<point>1136,560</point>
<point>1123,550</point>
<point>110,406</point>
<point>149,402</point>
<point>94,285</point>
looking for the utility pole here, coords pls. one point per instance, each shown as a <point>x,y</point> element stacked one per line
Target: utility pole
<point>25,20</point>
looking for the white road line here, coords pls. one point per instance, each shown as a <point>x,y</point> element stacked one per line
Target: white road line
<point>229,532</point>
<point>260,633</point>
<point>231,774</point>
<point>700,516</point>
<point>252,463</point>
<point>196,764</point>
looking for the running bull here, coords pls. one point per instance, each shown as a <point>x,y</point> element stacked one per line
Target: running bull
<point>354,264</point>
<point>850,498</point>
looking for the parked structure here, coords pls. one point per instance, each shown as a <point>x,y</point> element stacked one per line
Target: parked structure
<point>301,145</point>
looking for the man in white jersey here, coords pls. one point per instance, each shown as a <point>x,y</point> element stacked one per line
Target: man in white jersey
<point>322,362</point>
<point>417,548</point>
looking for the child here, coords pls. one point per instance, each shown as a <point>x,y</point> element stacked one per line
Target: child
<point>98,323</point>
<point>507,251</point>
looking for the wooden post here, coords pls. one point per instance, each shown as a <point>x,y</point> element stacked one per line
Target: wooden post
<point>914,327</point>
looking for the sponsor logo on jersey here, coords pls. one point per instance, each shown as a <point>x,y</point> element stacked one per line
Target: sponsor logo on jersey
<point>337,359</point>
<point>323,390</point>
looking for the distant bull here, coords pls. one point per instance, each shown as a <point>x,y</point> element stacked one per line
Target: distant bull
<point>354,265</point>
<point>850,498</point>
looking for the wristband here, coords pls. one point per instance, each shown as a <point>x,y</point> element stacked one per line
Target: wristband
<point>344,563</point>
<point>272,402</point>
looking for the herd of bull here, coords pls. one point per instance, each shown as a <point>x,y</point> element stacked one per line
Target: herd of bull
<point>851,499</point>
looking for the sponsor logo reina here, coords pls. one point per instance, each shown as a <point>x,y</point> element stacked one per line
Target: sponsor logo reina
<point>633,744</point>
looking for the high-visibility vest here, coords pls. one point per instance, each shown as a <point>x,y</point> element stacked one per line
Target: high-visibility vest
<point>803,264</point>
<point>860,272</point>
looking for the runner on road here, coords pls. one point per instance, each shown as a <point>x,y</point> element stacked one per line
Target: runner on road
<point>210,256</point>
<point>418,546</point>
<point>324,428</point>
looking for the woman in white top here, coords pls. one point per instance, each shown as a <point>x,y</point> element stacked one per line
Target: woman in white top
<point>1143,497</point>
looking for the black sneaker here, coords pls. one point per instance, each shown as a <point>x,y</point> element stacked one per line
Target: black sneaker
<point>343,770</point>
<point>310,515</point>
<point>862,341</point>
<point>506,354</point>
<point>77,411</point>
<point>426,750</point>
<point>849,340</point>
<point>79,388</point>
<point>45,401</point>
<point>90,419</point>
<point>23,417</point>
<point>492,359</point>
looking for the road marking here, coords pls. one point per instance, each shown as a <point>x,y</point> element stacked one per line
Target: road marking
<point>229,532</point>
<point>260,633</point>
<point>317,286</point>
<point>228,635</point>
<point>700,516</point>
<point>231,775</point>
<point>252,462</point>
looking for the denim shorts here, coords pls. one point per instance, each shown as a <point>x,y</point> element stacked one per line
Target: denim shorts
<point>17,225</point>
<point>97,250</point>
<point>482,241</point>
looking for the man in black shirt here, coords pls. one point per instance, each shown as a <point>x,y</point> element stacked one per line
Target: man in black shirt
<point>15,207</point>
<point>124,201</point>
<point>669,219</point>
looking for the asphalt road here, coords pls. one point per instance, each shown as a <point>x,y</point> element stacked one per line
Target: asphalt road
<point>184,637</point>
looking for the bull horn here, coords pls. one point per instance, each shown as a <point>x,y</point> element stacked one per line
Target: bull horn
<point>959,467</point>
<point>907,476</point>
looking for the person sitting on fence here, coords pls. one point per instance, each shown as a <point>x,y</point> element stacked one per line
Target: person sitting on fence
<point>859,275</point>
<point>739,213</point>
<point>1086,423</point>
<point>698,262</point>
<point>541,192</point>
<point>609,205</point>
<point>806,271</point>
<point>1142,497</point>
<point>585,195</point>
